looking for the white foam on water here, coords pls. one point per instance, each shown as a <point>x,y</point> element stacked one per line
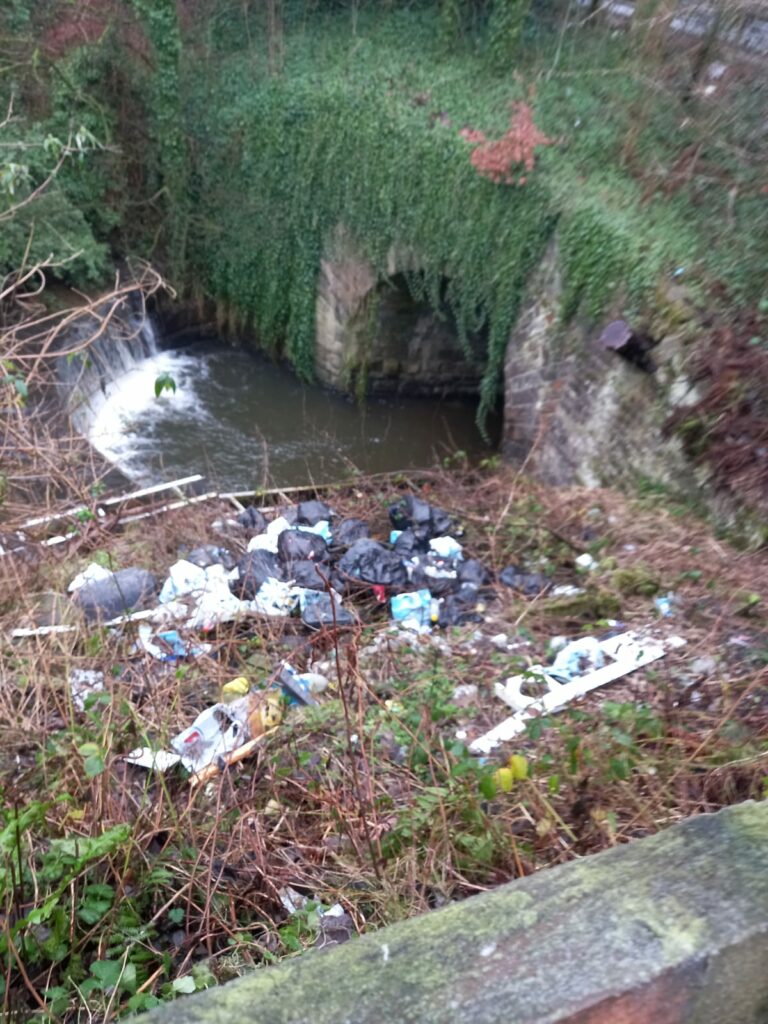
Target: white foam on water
<point>116,409</point>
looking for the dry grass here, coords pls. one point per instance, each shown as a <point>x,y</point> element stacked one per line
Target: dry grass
<point>368,800</point>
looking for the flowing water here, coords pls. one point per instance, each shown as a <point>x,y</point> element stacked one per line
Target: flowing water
<point>244,422</point>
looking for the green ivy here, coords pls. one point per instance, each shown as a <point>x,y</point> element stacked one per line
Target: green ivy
<point>160,20</point>
<point>298,159</point>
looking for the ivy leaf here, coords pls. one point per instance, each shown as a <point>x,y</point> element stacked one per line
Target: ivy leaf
<point>185,986</point>
<point>488,787</point>
<point>94,761</point>
<point>164,382</point>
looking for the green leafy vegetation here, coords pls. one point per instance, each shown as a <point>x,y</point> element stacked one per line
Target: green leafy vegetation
<point>362,133</point>
<point>246,145</point>
<point>122,888</point>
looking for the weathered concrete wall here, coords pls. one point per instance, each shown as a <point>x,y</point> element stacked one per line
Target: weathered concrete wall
<point>372,327</point>
<point>345,282</point>
<point>672,929</point>
<point>577,412</point>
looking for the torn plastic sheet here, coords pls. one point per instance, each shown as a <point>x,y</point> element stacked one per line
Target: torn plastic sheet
<point>92,573</point>
<point>183,578</point>
<point>415,611</point>
<point>216,731</point>
<point>292,900</point>
<point>152,760</point>
<point>215,605</point>
<point>274,597</point>
<point>163,615</point>
<point>447,547</point>
<point>576,658</point>
<point>319,609</point>
<point>321,528</point>
<point>627,651</point>
<point>298,686</point>
<point>208,591</point>
<point>267,541</point>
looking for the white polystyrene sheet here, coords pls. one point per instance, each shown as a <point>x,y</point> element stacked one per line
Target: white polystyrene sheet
<point>628,651</point>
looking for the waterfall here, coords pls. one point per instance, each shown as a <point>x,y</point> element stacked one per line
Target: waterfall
<point>108,389</point>
<point>86,377</point>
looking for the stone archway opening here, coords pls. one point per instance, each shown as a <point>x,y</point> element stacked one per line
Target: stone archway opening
<point>406,346</point>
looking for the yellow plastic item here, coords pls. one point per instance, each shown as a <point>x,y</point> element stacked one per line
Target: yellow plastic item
<point>518,765</point>
<point>265,712</point>
<point>235,688</point>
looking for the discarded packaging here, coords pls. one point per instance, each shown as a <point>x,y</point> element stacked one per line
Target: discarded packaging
<point>586,562</point>
<point>91,574</point>
<point>253,569</point>
<point>216,604</point>
<point>252,519</point>
<point>183,578</point>
<point>446,547</point>
<point>528,583</point>
<point>312,513</point>
<point>371,562</point>
<point>309,575</point>
<point>210,554</point>
<point>665,605</point>
<point>472,571</point>
<point>335,926</point>
<point>321,529</point>
<point>320,609</point>
<point>626,651</point>
<point>235,689</point>
<point>424,519</point>
<point>301,544</point>
<point>207,590</point>
<point>220,735</point>
<point>576,658</point>
<point>116,593</point>
<point>292,900</point>
<point>153,760</point>
<point>168,644</point>
<point>267,541</point>
<point>298,688</point>
<point>275,598</point>
<point>417,611</point>
<point>462,607</point>
<point>350,530</point>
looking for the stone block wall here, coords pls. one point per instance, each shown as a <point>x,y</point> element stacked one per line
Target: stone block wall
<point>672,929</point>
<point>577,412</point>
<point>371,327</point>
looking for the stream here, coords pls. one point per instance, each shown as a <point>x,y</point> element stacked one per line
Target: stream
<point>244,422</point>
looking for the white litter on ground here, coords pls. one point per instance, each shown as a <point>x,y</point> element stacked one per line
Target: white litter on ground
<point>627,652</point>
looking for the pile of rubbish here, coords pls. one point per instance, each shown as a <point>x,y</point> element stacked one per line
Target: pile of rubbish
<point>579,667</point>
<point>306,563</point>
<point>301,561</point>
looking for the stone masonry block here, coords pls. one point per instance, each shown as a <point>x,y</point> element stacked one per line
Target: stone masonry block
<point>672,929</point>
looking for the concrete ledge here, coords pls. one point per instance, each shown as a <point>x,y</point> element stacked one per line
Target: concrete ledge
<point>669,929</point>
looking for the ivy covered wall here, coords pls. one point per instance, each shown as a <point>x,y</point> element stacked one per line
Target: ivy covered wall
<point>234,141</point>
